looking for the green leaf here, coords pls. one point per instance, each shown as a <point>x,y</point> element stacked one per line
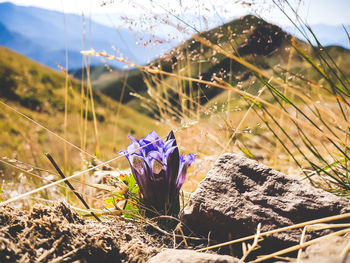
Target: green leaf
<point>131,209</point>
<point>130,181</point>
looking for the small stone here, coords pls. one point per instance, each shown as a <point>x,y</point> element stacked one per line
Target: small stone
<point>190,256</point>
<point>332,249</point>
<point>128,237</point>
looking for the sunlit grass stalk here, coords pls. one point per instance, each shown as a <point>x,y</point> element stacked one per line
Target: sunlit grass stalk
<point>120,104</point>
<point>65,122</point>
<point>89,86</point>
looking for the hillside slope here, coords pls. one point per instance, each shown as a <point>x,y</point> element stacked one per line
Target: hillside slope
<point>258,42</point>
<point>39,92</point>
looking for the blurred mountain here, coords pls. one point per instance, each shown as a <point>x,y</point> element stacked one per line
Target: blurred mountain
<point>43,35</point>
<point>258,42</point>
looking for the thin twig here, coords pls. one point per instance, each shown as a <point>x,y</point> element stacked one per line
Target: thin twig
<point>65,256</point>
<point>302,238</point>
<point>71,186</point>
<point>179,228</point>
<point>50,251</point>
<point>252,246</point>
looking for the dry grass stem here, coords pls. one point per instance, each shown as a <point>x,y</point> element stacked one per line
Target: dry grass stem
<point>253,246</point>
<point>283,229</point>
<point>302,239</point>
<point>306,244</point>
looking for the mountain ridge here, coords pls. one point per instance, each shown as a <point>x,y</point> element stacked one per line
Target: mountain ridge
<point>58,29</point>
<point>257,41</point>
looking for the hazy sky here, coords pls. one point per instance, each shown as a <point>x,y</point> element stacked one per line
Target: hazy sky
<point>332,12</point>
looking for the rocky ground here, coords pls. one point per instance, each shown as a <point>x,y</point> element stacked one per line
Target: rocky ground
<point>237,195</point>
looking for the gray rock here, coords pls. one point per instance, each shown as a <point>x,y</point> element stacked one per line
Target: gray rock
<point>332,249</point>
<point>190,256</point>
<point>239,193</point>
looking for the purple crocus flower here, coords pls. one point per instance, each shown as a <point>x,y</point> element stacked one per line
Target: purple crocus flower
<point>159,170</point>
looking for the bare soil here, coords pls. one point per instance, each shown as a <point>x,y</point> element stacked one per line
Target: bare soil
<point>58,234</point>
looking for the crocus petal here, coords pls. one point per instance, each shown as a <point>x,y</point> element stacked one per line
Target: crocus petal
<point>172,162</point>
<point>168,144</point>
<point>153,139</point>
<point>168,153</point>
<point>157,166</point>
<point>190,159</point>
<point>152,136</point>
<point>156,155</point>
<point>141,171</point>
<point>170,136</point>
<point>134,148</point>
<point>172,170</point>
<point>184,164</point>
<point>133,139</point>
